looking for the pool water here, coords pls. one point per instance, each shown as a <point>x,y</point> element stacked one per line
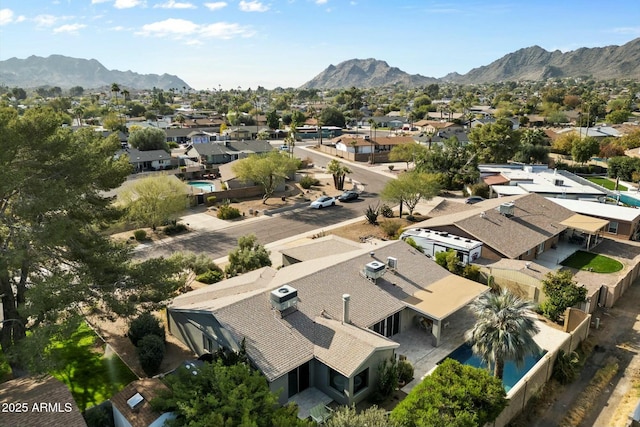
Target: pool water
<point>512,372</point>
<point>204,186</point>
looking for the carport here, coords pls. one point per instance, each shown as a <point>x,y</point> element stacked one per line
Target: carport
<point>443,298</point>
<point>590,226</point>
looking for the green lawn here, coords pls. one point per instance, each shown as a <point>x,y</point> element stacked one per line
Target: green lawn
<point>606,183</point>
<point>91,377</point>
<point>582,260</point>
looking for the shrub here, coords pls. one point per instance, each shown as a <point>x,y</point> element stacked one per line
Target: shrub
<point>228,212</point>
<point>413,244</point>
<point>371,214</point>
<point>172,229</point>
<point>391,227</point>
<point>211,276</point>
<point>480,189</point>
<point>387,379</point>
<point>145,324</point>
<point>211,200</point>
<point>565,368</point>
<point>308,181</point>
<point>405,371</point>
<point>386,211</point>
<point>140,235</point>
<point>99,415</point>
<point>150,353</point>
<point>348,416</point>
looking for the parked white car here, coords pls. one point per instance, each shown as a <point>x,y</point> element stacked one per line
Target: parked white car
<point>323,202</point>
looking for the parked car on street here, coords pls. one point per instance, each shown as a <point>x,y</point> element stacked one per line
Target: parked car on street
<point>473,199</point>
<point>348,196</point>
<point>323,202</point>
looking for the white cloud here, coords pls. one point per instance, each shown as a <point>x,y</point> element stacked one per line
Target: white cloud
<point>127,4</point>
<point>181,29</point>
<point>253,6</point>
<point>627,30</point>
<point>69,28</point>
<point>216,5</point>
<point>6,16</point>
<point>172,4</point>
<point>321,1</point>
<point>45,20</point>
<point>98,1</point>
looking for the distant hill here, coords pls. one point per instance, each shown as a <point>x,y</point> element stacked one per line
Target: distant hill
<point>531,63</point>
<point>536,63</point>
<point>364,73</point>
<point>66,72</point>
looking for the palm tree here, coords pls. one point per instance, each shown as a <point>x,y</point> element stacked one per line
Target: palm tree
<point>78,112</point>
<point>503,330</point>
<point>339,171</point>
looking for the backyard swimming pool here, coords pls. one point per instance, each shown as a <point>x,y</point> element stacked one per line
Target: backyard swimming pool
<point>512,372</point>
<point>203,186</point>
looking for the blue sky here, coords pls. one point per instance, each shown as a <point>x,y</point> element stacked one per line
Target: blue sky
<point>246,43</point>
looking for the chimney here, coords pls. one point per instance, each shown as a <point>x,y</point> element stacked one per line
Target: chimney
<point>345,308</point>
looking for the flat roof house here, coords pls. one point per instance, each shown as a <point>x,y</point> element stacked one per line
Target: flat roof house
<point>323,326</point>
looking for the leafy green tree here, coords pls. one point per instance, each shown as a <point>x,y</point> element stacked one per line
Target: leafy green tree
<point>348,416</point>
<point>76,91</point>
<point>268,170</point>
<point>454,395</point>
<point>154,200</point>
<point>150,353</point>
<point>449,260</point>
<point>248,256</point>
<point>407,153</point>
<point>339,172</point>
<point>493,142</point>
<point>454,163</point>
<point>54,262</point>
<point>617,117</point>
<point>565,142</point>
<point>148,138</point>
<point>230,396</point>
<point>503,330</point>
<point>143,325</point>
<point>411,187</point>
<point>273,119</point>
<point>623,167</point>
<point>561,292</point>
<point>582,150</point>
<point>331,116</point>
<point>530,153</point>
<point>112,122</point>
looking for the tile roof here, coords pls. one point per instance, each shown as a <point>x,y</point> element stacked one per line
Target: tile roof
<point>534,221</point>
<point>141,415</point>
<point>61,408</point>
<point>279,342</point>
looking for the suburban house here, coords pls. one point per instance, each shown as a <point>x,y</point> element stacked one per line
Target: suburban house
<point>39,402</point>
<point>185,135</point>
<point>360,148</point>
<point>324,326</point>
<point>624,222</point>
<point>434,126</point>
<point>131,407</point>
<point>519,227</point>
<point>512,179</point>
<point>213,153</point>
<point>151,160</point>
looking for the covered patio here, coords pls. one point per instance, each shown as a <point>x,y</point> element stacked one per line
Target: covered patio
<point>308,399</point>
<point>585,227</point>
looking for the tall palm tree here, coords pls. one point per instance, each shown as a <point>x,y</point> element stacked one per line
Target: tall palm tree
<point>503,330</point>
<point>339,171</point>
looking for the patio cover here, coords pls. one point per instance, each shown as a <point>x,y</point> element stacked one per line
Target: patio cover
<point>446,296</point>
<point>585,223</point>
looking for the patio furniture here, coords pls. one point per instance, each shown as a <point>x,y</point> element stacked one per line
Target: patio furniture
<point>320,413</point>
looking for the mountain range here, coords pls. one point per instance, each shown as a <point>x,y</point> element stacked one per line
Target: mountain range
<point>531,63</point>
<point>66,72</point>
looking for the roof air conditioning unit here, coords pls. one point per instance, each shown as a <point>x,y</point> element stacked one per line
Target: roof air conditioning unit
<point>284,297</point>
<point>506,209</point>
<point>366,137</point>
<point>374,270</point>
<point>392,263</point>
<point>558,182</point>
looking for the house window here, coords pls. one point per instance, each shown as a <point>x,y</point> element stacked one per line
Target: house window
<point>529,252</point>
<point>389,326</point>
<point>361,381</point>
<point>613,227</point>
<point>299,379</point>
<point>208,344</point>
<point>540,248</point>
<point>338,381</point>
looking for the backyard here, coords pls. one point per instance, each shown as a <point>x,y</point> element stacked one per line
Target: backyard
<point>607,183</point>
<point>588,261</point>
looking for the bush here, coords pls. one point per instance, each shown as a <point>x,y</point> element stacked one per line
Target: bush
<point>348,416</point>
<point>405,371</point>
<point>172,229</point>
<point>387,379</point>
<point>391,227</point>
<point>228,212</point>
<point>211,276</point>
<point>211,200</point>
<point>371,214</point>
<point>99,415</point>
<point>150,353</point>
<point>413,244</point>
<point>145,324</point>
<point>565,368</point>
<point>480,189</point>
<point>308,181</point>
<point>386,211</point>
<point>140,235</point>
